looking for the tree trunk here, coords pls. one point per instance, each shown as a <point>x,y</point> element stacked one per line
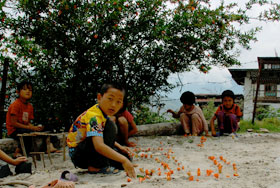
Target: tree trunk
<point>159,129</point>
<point>3,93</point>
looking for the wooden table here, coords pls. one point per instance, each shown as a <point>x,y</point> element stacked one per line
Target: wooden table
<point>48,142</point>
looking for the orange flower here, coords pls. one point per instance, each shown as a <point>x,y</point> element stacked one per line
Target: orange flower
<point>216,175</point>
<point>141,179</point>
<point>220,169</point>
<point>159,173</point>
<point>203,139</point>
<point>209,172</point>
<point>178,168</point>
<point>198,172</point>
<point>147,172</point>
<point>235,174</point>
<point>183,167</point>
<point>141,170</point>
<point>191,178</point>
<point>128,180</point>
<point>189,173</point>
<point>168,178</point>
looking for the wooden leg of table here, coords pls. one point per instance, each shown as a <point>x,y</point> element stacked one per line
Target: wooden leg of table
<point>64,143</point>
<point>22,146</point>
<point>35,148</point>
<point>48,141</point>
<point>42,156</point>
<point>34,160</point>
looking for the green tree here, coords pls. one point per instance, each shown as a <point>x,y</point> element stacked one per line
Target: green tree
<point>69,48</point>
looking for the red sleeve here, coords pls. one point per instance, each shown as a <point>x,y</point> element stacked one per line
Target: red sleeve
<point>128,116</point>
<point>15,109</point>
<point>31,112</point>
<point>238,112</point>
<point>218,110</point>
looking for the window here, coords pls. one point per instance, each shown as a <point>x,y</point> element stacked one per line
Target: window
<point>270,90</point>
<point>267,66</point>
<point>276,66</point>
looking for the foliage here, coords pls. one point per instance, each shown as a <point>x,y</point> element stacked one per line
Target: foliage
<point>68,49</point>
<point>272,124</point>
<point>209,110</point>
<point>266,112</point>
<point>145,116</point>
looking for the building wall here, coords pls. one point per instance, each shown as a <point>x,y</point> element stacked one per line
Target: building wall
<point>249,96</point>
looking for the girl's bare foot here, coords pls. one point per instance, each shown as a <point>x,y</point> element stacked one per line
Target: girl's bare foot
<point>93,169</point>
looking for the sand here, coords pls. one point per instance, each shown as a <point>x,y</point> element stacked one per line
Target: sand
<point>257,159</point>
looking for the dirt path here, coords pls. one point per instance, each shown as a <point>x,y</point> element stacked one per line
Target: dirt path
<point>257,159</point>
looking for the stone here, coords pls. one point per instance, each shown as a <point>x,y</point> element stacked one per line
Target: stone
<point>263,130</point>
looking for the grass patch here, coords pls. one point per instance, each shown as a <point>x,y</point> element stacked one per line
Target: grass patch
<point>271,124</point>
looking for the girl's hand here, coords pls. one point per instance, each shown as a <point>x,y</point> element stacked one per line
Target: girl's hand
<point>19,160</point>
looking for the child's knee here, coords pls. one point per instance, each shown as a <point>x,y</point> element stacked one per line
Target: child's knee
<point>232,116</point>
<point>184,116</point>
<point>195,117</point>
<point>122,121</point>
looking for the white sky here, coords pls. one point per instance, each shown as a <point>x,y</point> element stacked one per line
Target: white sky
<point>268,45</point>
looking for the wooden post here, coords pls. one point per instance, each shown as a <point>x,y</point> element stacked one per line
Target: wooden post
<point>257,91</point>
<point>48,141</point>
<point>3,93</point>
<point>22,145</point>
<point>64,145</point>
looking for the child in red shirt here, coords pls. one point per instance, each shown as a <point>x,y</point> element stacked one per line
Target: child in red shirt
<point>126,125</point>
<point>228,115</point>
<point>19,115</point>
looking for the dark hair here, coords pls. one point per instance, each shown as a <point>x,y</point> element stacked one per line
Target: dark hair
<point>187,98</point>
<point>107,86</point>
<point>21,85</point>
<point>124,105</point>
<point>228,93</point>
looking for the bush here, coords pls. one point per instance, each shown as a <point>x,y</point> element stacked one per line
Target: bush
<point>272,124</point>
<point>209,110</point>
<point>145,116</point>
<point>266,112</point>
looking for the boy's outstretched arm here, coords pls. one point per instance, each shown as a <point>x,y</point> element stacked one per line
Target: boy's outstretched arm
<point>174,114</point>
<point>212,125</point>
<point>108,152</point>
<point>8,159</point>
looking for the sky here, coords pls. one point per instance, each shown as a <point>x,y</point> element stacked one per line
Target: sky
<point>219,79</point>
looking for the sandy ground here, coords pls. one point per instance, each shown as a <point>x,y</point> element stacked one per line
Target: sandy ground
<point>257,159</point>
